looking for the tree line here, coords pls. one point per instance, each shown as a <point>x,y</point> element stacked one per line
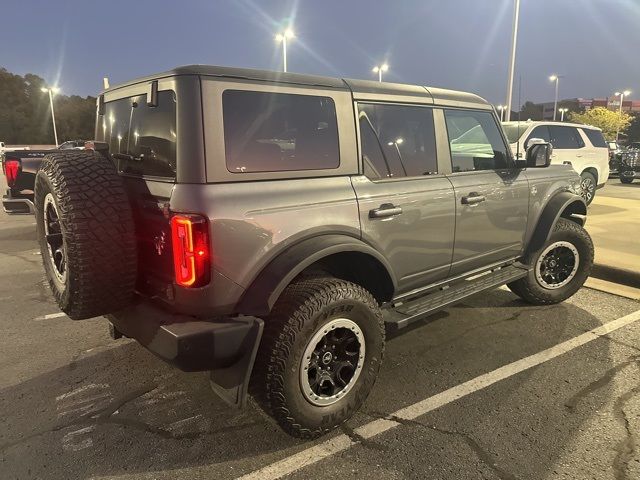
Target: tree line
<point>25,115</point>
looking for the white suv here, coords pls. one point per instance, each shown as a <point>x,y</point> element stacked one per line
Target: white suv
<point>581,146</point>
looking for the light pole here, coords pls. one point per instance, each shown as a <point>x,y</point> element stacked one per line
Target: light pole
<point>555,78</point>
<point>621,95</point>
<point>52,91</point>
<point>282,37</point>
<point>512,62</point>
<point>562,112</point>
<point>502,109</point>
<point>379,69</point>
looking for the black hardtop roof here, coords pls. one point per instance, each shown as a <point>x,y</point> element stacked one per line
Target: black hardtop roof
<point>356,86</point>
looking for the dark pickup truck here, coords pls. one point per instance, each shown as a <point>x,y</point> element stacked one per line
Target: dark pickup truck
<point>20,168</point>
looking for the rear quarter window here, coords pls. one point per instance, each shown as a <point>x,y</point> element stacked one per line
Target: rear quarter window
<point>595,137</point>
<point>274,132</point>
<point>141,138</point>
<point>565,137</point>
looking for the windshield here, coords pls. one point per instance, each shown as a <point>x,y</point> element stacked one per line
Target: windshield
<point>513,131</point>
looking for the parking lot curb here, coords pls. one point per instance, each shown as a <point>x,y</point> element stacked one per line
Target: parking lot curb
<point>613,274</point>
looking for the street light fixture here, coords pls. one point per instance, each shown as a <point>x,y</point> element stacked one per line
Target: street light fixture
<point>626,93</point>
<point>562,112</point>
<point>555,78</point>
<point>282,37</point>
<point>379,69</point>
<point>52,91</point>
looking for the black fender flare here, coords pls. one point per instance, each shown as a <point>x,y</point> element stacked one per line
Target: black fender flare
<point>265,289</point>
<point>552,211</point>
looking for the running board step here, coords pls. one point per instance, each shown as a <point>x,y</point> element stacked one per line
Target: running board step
<point>406,313</point>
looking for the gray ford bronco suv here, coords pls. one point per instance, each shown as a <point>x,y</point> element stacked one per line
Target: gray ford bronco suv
<point>269,228</point>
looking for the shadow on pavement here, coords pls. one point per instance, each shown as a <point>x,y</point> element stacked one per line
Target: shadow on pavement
<point>122,411</point>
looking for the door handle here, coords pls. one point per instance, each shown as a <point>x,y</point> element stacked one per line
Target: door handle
<point>473,199</point>
<point>385,210</point>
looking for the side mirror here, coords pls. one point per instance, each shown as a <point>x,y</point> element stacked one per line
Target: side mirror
<point>539,154</point>
<point>533,141</point>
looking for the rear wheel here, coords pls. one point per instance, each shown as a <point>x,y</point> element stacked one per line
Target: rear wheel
<point>86,233</point>
<point>588,184</point>
<point>320,355</point>
<point>559,268</point>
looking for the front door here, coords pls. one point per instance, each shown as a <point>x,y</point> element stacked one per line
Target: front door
<point>492,197</point>
<point>407,207</point>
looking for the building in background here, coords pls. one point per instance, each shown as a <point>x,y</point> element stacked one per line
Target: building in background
<point>581,104</point>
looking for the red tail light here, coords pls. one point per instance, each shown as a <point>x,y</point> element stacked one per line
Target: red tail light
<point>11,169</point>
<point>191,256</point>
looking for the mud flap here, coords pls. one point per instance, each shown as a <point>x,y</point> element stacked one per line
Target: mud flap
<point>232,383</point>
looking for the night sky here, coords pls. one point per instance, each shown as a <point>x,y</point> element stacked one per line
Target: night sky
<point>458,44</point>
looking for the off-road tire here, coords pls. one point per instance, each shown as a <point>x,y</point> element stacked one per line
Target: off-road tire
<point>529,289</point>
<point>97,228</point>
<point>625,179</point>
<point>590,179</point>
<point>303,309</point>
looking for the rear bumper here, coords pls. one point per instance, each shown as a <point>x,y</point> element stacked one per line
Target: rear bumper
<point>17,204</point>
<point>226,347</point>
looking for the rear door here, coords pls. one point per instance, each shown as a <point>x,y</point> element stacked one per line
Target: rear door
<point>491,195</point>
<point>406,204</point>
<point>568,146</point>
<point>142,140</point>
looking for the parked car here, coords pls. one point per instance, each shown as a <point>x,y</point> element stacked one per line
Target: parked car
<point>291,220</point>
<point>630,163</point>
<point>4,148</point>
<point>20,167</point>
<point>581,146</point>
<point>615,152</point>
<point>72,145</point>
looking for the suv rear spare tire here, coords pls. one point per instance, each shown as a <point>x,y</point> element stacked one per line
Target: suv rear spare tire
<point>86,233</point>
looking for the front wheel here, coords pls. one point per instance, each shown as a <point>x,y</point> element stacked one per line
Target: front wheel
<point>320,355</point>
<point>559,268</point>
<point>626,178</point>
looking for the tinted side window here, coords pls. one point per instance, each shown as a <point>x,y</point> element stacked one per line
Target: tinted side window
<point>565,137</point>
<point>271,132</point>
<point>141,138</point>
<point>406,135</point>
<point>475,141</point>
<point>595,137</point>
<point>375,165</point>
<point>540,131</point>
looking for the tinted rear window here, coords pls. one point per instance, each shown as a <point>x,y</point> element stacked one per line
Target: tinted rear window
<point>141,138</point>
<point>595,137</point>
<point>402,136</point>
<point>272,132</point>
<point>565,137</point>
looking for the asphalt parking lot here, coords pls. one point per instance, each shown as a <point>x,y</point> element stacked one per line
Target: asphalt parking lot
<point>464,394</point>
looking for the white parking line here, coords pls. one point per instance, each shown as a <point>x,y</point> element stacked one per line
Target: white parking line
<point>50,316</point>
<point>342,442</point>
